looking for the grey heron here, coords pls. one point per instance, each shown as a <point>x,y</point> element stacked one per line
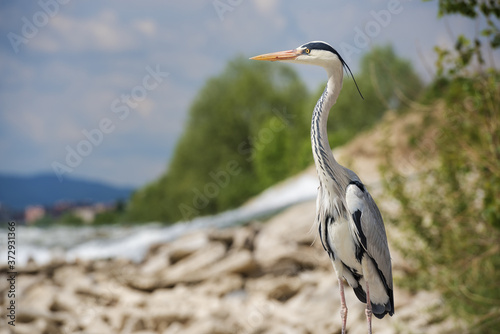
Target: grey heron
<point>350,225</point>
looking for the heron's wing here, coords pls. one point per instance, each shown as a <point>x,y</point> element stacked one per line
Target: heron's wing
<point>368,227</point>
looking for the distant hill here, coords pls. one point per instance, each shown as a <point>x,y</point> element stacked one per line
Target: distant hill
<point>17,191</point>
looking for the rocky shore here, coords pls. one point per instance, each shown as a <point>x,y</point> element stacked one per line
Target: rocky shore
<point>265,277</point>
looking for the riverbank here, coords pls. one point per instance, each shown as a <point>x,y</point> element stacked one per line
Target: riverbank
<point>271,277</point>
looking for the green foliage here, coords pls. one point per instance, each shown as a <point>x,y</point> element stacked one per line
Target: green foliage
<point>268,159</point>
<point>451,213</point>
<point>44,221</point>
<point>385,81</point>
<point>242,135</point>
<point>106,218</point>
<point>70,218</point>
<point>111,216</point>
<point>465,49</point>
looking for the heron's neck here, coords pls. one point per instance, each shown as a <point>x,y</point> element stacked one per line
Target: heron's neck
<point>323,157</point>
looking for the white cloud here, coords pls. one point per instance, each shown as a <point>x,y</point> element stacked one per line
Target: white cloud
<point>146,27</point>
<point>31,124</point>
<point>146,107</point>
<point>100,33</point>
<point>267,7</point>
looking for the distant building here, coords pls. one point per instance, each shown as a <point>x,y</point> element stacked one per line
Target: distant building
<point>88,213</point>
<point>33,213</point>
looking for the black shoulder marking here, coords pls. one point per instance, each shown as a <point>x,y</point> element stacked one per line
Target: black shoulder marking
<point>360,249</point>
<point>359,185</point>
<point>321,236</point>
<point>324,236</point>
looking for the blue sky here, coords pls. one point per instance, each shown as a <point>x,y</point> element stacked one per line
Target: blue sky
<point>125,72</point>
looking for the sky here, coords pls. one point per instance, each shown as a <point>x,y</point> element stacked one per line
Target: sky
<point>102,89</point>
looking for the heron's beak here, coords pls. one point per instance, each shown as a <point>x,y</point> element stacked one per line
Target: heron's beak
<point>281,55</point>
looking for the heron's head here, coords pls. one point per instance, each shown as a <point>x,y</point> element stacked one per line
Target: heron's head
<point>314,53</point>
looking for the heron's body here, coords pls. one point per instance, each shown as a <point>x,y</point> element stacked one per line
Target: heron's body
<point>350,225</point>
<point>341,194</point>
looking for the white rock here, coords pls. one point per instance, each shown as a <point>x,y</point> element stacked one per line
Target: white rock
<point>187,245</point>
<point>191,268</point>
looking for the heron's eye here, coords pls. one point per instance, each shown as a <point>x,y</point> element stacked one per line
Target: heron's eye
<point>307,51</point>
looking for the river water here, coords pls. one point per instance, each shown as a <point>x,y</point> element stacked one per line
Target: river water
<point>132,242</point>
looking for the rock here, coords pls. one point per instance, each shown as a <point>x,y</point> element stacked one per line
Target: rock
<point>157,261</point>
<point>238,262</point>
<point>168,301</point>
<point>23,283</point>
<point>118,294</point>
<point>41,320</point>
<point>225,236</point>
<point>174,328</point>
<point>145,282</point>
<point>187,245</point>
<point>96,325</point>
<point>74,275</point>
<point>236,238</point>
<point>220,286</point>
<point>244,237</point>
<point>284,245</point>
<point>291,227</point>
<point>114,316</point>
<point>64,301</point>
<point>36,326</point>
<point>192,268</point>
<point>201,327</point>
<point>290,260</point>
<point>38,298</point>
<point>280,288</point>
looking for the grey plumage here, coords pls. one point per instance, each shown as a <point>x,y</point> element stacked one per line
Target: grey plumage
<point>363,217</point>
<point>349,222</point>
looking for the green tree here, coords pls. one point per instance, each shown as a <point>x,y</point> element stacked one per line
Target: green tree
<point>240,137</point>
<point>107,217</point>
<point>111,215</point>
<point>466,50</point>
<point>69,218</point>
